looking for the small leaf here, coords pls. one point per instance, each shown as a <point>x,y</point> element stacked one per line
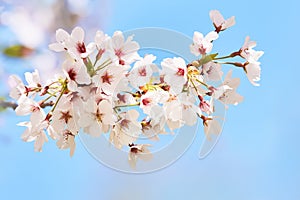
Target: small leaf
<point>2,108</point>
<point>17,51</point>
<point>207,58</point>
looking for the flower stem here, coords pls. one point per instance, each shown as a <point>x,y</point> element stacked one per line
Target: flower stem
<point>234,54</point>
<point>128,105</point>
<point>64,87</point>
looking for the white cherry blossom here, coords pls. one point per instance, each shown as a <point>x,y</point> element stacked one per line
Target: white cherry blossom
<point>230,96</point>
<point>126,51</point>
<point>36,129</point>
<point>127,129</point>
<point>17,87</point>
<point>151,99</point>
<point>108,78</point>
<point>175,73</point>
<point>139,151</point>
<point>106,87</point>
<point>253,72</point>
<point>219,22</point>
<point>203,45</point>
<point>76,74</point>
<point>142,71</point>
<point>72,43</point>
<point>67,141</point>
<point>211,126</point>
<point>27,106</point>
<point>97,117</point>
<point>212,71</point>
<point>248,52</point>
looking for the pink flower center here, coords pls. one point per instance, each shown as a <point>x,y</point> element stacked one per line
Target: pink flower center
<point>65,116</point>
<point>146,101</point>
<point>81,47</point>
<point>180,72</point>
<point>121,97</point>
<point>202,50</point>
<point>118,52</point>
<point>143,72</point>
<point>106,78</point>
<point>72,74</point>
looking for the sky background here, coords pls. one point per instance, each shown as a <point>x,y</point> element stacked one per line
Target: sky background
<point>258,154</point>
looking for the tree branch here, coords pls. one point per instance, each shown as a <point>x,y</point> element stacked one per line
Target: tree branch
<point>7,104</point>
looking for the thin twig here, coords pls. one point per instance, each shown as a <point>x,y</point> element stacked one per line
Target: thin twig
<point>8,104</point>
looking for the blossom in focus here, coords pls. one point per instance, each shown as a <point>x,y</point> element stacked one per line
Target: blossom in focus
<point>72,43</point>
<point>142,71</point>
<point>76,74</point>
<point>203,45</point>
<point>252,66</point>
<point>248,52</point>
<point>108,79</point>
<point>105,85</point>
<point>96,117</point>
<point>126,51</point>
<point>152,99</point>
<point>175,73</point>
<point>219,22</point>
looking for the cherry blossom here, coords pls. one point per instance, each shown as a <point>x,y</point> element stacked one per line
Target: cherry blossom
<point>212,71</point>
<point>219,22</point>
<point>76,74</point>
<point>97,117</point>
<point>203,45</point>
<point>108,87</point>
<point>211,126</point>
<point>175,73</point>
<point>108,79</point>
<point>139,151</point>
<point>126,51</point>
<point>67,141</point>
<point>248,52</point>
<point>62,38</point>
<point>253,72</point>
<point>64,117</point>
<point>17,87</point>
<point>36,129</point>
<point>73,43</point>
<point>190,111</point>
<point>127,129</point>
<point>27,106</point>
<point>229,95</point>
<point>142,71</point>
<point>151,99</point>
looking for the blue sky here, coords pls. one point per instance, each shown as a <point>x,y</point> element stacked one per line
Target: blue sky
<point>257,157</point>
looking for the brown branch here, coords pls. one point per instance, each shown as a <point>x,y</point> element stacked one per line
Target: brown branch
<point>7,104</point>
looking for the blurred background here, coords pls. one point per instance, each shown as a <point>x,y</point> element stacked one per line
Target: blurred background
<point>258,154</point>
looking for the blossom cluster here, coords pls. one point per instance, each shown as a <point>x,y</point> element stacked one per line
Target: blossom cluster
<point>107,87</point>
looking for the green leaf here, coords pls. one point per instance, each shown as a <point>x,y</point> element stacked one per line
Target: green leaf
<point>17,51</point>
<point>2,109</point>
<point>207,58</point>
